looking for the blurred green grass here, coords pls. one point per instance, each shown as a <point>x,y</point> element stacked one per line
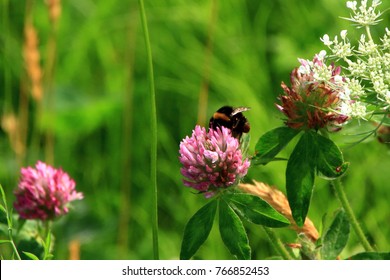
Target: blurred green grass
<point>101,115</point>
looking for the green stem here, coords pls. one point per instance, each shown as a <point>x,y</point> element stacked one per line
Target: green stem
<point>9,223</point>
<point>46,228</point>
<point>153,150</point>
<point>11,240</point>
<point>46,238</point>
<point>338,187</point>
<point>351,216</point>
<point>278,245</point>
<point>369,33</point>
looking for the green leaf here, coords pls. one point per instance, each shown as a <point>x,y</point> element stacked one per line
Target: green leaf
<point>3,198</point>
<point>300,176</point>
<point>255,210</point>
<point>271,143</point>
<point>233,232</point>
<point>2,194</point>
<point>371,256</point>
<point>5,241</point>
<point>197,230</point>
<point>2,209</point>
<point>336,237</point>
<point>330,160</point>
<point>31,256</point>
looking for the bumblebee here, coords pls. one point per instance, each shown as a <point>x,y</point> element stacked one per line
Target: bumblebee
<point>231,118</point>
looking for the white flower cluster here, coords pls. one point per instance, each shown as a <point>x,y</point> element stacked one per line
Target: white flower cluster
<point>364,15</point>
<point>339,49</point>
<point>367,71</point>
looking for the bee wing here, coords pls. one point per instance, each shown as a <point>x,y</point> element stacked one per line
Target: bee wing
<point>239,110</point>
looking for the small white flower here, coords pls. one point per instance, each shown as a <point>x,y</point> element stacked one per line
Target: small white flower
<point>345,109</point>
<point>376,3</point>
<point>358,110</point>
<point>353,109</point>
<point>322,54</point>
<point>325,39</point>
<point>338,79</point>
<point>363,5</point>
<point>358,68</point>
<point>374,64</point>
<point>343,34</point>
<point>386,40</point>
<point>366,47</point>
<point>339,49</point>
<point>387,98</point>
<point>351,5</point>
<point>306,66</point>
<point>379,84</point>
<point>322,74</point>
<point>364,16</point>
<point>356,89</point>
<point>345,94</point>
<point>304,70</point>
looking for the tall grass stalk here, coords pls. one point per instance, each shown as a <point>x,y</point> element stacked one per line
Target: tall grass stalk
<point>153,137</point>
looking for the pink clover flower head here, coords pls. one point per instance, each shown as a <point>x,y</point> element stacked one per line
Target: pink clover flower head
<point>314,99</point>
<point>211,160</point>
<point>44,192</point>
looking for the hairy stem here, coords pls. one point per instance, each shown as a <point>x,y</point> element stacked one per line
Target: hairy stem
<point>338,187</point>
<point>278,245</point>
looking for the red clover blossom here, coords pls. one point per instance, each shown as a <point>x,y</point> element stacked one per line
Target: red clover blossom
<point>212,160</point>
<point>314,99</point>
<point>44,192</point>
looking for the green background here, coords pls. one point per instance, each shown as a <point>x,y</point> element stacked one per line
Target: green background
<point>100,117</point>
